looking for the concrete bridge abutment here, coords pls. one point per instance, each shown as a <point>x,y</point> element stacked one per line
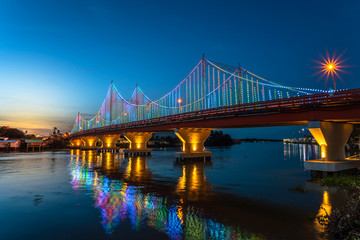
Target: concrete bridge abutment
<point>138,143</point>
<point>332,137</point>
<point>193,144</point>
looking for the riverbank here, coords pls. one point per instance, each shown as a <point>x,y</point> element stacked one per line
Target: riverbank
<point>344,221</point>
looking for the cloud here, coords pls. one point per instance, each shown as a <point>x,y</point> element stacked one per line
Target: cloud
<point>37,124</point>
<point>38,131</point>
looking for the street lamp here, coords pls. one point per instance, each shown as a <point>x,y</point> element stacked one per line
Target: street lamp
<point>179,101</point>
<point>331,69</point>
<point>331,66</point>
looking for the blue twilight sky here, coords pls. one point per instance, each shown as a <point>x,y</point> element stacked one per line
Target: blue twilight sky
<point>59,57</point>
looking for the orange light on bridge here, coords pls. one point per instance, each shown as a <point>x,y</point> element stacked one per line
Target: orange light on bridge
<point>331,66</point>
<point>179,100</point>
<point>323,148</point>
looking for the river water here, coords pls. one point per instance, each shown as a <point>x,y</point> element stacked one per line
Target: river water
<point>242,193</point>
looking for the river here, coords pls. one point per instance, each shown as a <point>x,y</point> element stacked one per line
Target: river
<point>242,193</point>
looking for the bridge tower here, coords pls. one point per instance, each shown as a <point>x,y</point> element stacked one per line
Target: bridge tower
<point>137,103</point>
<point>193,143</point>
<point>203,82</point>
<point>111,102</point>
<point>239,82</point>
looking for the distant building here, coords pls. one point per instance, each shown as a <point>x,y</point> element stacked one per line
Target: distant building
<point>33,144</point>
<point>300,140</point>
<point>6,144</point>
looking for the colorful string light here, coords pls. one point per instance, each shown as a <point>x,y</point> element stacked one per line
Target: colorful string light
<point>207,86</point>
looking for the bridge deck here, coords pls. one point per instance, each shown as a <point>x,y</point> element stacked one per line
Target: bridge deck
<point>341,106</point>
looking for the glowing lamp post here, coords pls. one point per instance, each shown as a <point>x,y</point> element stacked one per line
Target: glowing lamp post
<point>331,66</point>
<point>179,101</point>
<point>331,69</point>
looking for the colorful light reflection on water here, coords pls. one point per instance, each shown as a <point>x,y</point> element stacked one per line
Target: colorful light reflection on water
<point>122,198</point>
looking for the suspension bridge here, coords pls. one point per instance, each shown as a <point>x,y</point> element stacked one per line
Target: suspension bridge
<point>218,96</point>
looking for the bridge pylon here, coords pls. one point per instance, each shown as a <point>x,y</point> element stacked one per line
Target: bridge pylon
<point>108,141</point>
<point>90,142</point>
<point>193,143</point>
<point>138,143</point>
<point>332,137</point>
<point>76,143</point>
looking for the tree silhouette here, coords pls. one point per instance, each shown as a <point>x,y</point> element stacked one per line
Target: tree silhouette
<point>11,132</point>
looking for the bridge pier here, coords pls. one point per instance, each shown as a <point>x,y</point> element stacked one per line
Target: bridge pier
<point>108,142</point>
<point>76,142</point>
<point>193,144</point>
<point>331,137</point>
<point>138,141</point>
<point>90,142</point>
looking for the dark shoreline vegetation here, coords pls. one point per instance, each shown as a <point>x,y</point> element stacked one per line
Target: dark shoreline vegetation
<point>258,140</point>
<point>54,141</point>
<point>299,189</point>
<point>11,132</point>
<point>343,222</point>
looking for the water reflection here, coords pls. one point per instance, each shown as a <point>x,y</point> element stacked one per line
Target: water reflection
<point>325,209</point>
<point>115,184</point>
<point>192,185</point>
<point>137,170</point>
<point>304,151</point>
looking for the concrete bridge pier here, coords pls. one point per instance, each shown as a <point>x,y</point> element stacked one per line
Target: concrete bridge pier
<point>332,137</point>
<point>138,141</point>
<point>108,142</point>
<point>89,142</point>
<point>193,144</point>
<point>76,143</point>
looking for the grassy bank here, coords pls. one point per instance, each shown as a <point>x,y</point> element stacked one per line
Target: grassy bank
<point>344,222</point>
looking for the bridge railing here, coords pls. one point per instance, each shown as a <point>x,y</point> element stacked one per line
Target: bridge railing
<point>348,96</point>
